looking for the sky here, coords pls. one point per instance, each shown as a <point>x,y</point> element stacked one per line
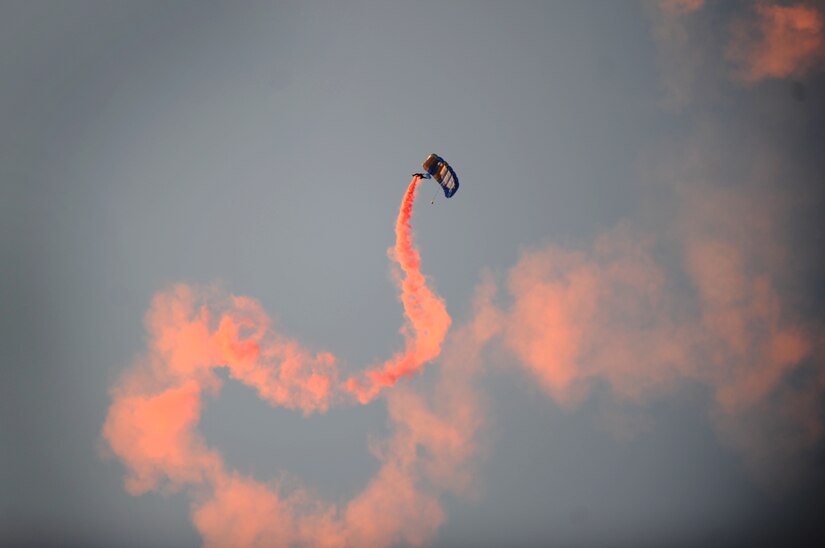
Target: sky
<point>231,317</point>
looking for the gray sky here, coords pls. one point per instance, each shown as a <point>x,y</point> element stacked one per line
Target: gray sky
<point>265,148</point>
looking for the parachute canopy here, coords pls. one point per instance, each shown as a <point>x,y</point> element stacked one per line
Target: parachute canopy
<point>441,171</point>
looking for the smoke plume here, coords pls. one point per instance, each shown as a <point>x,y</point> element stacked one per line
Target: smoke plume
<point>781,41</point>
<point>152,424</point>
<point>425,312</point>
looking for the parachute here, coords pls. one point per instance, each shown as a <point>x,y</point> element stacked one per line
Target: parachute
<point>443,174</point>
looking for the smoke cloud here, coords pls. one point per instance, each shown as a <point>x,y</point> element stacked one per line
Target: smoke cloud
<point>156,406</point>
<point>781,41</point>
<point>717,317</point>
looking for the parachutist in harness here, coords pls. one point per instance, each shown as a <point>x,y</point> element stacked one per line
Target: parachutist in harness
<point>427,176</point>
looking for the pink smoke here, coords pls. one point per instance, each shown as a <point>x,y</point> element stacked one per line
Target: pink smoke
<point>783,41</point>
<point>156,406</point>
<point>427,316</point>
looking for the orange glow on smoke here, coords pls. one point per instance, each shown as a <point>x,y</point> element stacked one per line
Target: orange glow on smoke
<point>427,315</point>
<point>784,41</point>
<point>152,422</point>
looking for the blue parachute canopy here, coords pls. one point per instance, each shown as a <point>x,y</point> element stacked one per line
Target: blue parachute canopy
<point>441,171</point>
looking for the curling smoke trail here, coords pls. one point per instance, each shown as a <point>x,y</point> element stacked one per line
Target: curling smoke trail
<point>427,315</point>
<point>156,406</point>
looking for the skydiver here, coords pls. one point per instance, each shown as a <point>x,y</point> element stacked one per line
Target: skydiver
<point>422,175</point>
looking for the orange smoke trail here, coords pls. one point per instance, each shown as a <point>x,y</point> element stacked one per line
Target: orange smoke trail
<point>427,315</point>
<point>152,424</point>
